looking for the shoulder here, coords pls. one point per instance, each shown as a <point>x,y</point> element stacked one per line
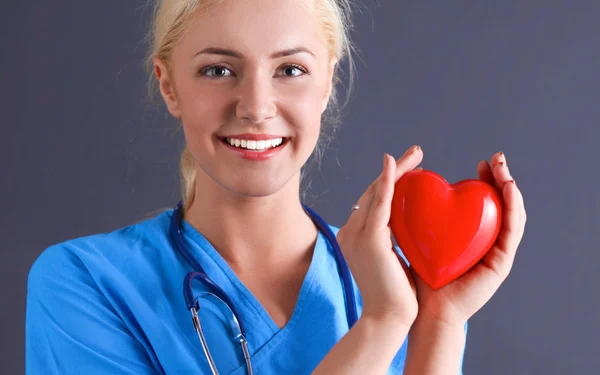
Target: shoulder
<point>81,298</point>
<point>71,259</point>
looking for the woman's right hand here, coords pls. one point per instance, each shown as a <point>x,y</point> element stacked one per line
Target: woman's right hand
<point>384,281</point>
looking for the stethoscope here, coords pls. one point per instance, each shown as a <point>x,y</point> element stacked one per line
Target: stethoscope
<point>237,325</point>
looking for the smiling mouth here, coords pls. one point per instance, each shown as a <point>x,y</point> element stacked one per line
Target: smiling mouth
<point>255,145</point>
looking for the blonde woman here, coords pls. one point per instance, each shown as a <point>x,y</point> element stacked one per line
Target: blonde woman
<point>266,286</point>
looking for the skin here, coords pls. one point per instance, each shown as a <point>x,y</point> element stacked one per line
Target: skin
<point>251,211</point>
<point>437,337</point>
<point>262,230</point>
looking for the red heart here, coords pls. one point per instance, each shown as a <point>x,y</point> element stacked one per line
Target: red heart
<point>442,229</point>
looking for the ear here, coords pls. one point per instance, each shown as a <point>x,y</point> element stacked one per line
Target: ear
<point>167,87</point>
<point>332,63</point>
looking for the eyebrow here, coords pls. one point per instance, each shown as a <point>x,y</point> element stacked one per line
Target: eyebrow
<point>232,53</point>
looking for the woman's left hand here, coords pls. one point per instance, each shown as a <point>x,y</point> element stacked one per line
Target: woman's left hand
<point>456,302</point>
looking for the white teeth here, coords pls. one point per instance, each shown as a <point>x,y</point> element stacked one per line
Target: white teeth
<point>255,145</point>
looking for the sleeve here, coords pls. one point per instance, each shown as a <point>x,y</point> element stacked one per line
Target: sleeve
<point>70,327</point>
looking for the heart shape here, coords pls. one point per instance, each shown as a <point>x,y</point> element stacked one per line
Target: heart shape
<point>442,229</point>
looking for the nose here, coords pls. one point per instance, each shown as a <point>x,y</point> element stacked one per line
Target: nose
<point>256,100</point>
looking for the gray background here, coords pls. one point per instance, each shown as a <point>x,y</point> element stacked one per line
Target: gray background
<point>82,152</point>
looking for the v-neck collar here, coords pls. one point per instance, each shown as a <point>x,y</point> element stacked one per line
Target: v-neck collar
<point>305,297</point>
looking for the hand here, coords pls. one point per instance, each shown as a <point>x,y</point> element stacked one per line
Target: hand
<point>382,277</point>
<point>456,302</point>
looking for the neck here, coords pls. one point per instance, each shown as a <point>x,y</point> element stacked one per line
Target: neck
<point>246,231</point>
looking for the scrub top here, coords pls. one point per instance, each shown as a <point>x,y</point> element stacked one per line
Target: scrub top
<point>112,303</point>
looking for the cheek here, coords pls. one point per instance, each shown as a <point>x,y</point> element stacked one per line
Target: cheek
<point>304,108</point>
<point>202,110</point>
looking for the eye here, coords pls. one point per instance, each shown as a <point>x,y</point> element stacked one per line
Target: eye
<point>219,71</point>
<point>292,67</point>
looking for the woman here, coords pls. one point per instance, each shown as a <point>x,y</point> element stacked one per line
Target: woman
<point>250,82</point>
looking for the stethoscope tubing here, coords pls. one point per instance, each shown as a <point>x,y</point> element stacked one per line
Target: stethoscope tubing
<point>198,273</point>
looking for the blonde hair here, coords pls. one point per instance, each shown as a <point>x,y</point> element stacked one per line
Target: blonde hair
<point>168,25</point>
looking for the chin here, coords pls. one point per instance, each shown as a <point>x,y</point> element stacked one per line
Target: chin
<point>257,187</point>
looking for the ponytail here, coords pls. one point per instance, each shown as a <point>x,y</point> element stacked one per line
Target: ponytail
<point>188,177</point>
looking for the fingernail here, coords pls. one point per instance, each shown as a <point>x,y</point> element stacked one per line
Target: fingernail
<point>385,160</point>
<point>502,156</point>
<point>411,149</point>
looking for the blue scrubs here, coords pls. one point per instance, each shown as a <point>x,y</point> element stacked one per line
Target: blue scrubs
<point>112,303</point>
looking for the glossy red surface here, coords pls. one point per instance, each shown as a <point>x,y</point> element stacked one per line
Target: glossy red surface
<point>443,229</point>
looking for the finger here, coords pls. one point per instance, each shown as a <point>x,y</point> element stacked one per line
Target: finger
<point>381,204</point>
<point>500,258</point>
<point>358,217</point>
<point>381,200</point>
<point>411,158</point>
<point>497,158</point>
<point>520,206</point>
<point>501,174</point>
<point>485,172</point>
<point>512,228</point>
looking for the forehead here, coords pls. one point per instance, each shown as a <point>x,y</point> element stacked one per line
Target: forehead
<point>256,27</point>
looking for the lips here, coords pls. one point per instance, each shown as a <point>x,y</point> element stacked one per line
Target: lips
<point>255,147</point>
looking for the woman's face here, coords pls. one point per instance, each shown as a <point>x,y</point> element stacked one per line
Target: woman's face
<point>253,73</point>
